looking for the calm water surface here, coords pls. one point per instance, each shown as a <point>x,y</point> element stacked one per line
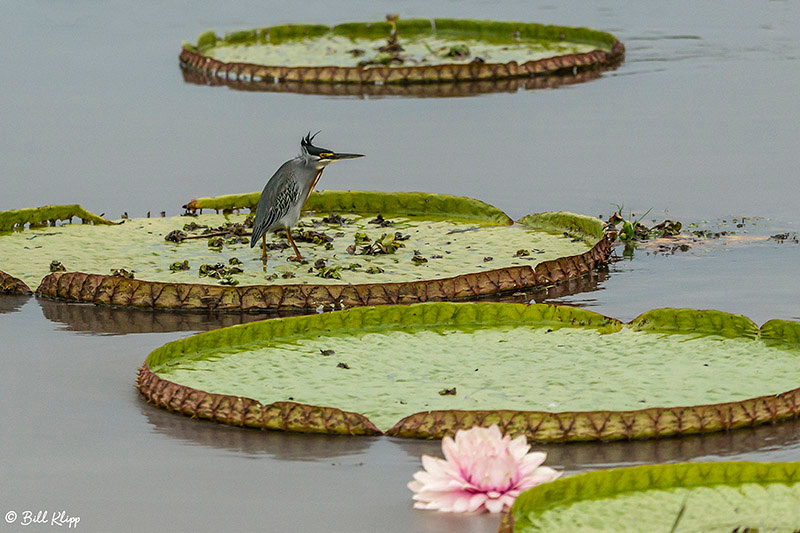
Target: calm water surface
<point>700,123</point>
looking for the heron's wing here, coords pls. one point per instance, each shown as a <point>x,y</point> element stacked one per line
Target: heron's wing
<point>278,197</point>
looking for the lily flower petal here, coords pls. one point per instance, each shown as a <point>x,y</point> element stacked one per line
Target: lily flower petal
<point>482,471</point>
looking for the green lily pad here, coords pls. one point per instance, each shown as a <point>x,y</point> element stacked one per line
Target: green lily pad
<point>712,497</point>
<point>421,51</point>
<point>355,242</point>
<point>595,378</point>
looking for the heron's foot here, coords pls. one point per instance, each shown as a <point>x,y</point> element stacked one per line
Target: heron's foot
<point>296,259</point>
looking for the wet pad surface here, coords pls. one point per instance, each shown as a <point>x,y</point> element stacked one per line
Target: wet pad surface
<point>340,51</point>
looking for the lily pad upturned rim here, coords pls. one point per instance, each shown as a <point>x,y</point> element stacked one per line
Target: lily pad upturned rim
<point>47,215</point>
<point>115,290</point>
<point>537,426</point>
<point>192,55</point>
<point>441,206</point>
<point>609,483</point>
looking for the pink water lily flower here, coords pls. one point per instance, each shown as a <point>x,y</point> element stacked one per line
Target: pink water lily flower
<point>482,470</point>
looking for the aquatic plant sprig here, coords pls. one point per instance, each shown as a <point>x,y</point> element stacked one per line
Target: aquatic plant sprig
<point>630,225</point>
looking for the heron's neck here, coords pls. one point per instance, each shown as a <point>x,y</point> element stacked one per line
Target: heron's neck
<point>316,178</point>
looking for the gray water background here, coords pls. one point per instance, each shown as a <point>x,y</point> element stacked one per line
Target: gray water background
<point>701,122</point>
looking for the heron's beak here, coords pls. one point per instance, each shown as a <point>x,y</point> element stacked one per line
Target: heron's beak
<point>338,157</point>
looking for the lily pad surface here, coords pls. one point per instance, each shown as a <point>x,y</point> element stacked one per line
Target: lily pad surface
<point>427,370</point>
<point>709,497</point>
<point>355,240</point>
<point>400,52</point>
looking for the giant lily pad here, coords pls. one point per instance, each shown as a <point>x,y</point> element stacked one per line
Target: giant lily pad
<point>551,373</point>
<point>422,247</point>
<point>410,51</point>
<point>712,497</point>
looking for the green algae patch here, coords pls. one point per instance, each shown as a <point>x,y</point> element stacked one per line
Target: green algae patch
<point>400,52</point>
<point>713,497</point>
<point>426,370</point>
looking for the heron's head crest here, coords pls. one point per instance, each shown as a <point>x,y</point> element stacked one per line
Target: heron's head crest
<point>305,144</point>
<point>322,156</point>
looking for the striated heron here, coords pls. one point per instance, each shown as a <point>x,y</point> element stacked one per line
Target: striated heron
<point>287,190</point>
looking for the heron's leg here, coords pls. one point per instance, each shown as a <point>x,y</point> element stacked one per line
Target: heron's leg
<point>298,257</point>
<point>264,249</point>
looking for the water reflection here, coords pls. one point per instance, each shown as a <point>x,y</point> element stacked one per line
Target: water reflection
<point>279,445</point>
<point>764,443</point>
<point>552,294</point>
<point>416,90</point>
<point>107,320</point>
<point>10,303</point>
<point>746,444</point>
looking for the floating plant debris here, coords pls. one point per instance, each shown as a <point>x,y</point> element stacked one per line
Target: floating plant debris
<point>669,237</point>
<point>380,221</point>
<point>220,271</point>
<point>121,273</point>
<point>177,266</point>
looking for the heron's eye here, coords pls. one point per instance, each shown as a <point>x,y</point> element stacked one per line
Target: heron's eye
<point>325,155</point>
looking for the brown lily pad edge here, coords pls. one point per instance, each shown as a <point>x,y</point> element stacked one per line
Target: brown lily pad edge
<point>537,426</point>
<point>452,89</point>
<point>121,291</point>
<point>608,54</point>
